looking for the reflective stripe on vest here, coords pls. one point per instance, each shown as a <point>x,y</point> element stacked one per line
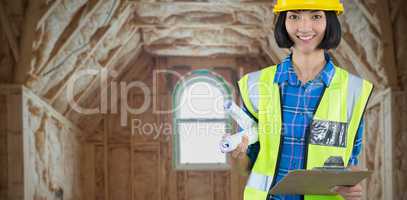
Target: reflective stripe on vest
<point>251,88</point>
<point>259,181</point>
<point>340,111</point>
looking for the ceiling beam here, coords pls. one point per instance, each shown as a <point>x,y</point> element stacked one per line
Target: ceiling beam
<point>47,12</point>
<point>113,27</point>
<point>165,14</point>
<point>372,19</point>
<point>201,50</point>
<point>197,26</point>
<point>93,85</point>
<point>71,31</point>
<point>31,18</point>
<point>5,25</point>
<point>203,41</point>
<point>94,122</point>
<point>133,72</point>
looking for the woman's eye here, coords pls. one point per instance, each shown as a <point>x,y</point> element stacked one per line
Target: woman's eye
<point>293,17</point>
<point>316,17</point>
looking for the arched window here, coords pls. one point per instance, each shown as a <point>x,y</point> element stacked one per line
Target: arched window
<point>200,121</point>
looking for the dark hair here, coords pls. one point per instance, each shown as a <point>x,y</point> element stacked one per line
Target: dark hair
<point>331,39</point>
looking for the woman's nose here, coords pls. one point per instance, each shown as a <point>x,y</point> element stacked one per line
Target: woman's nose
<point>304,24</point>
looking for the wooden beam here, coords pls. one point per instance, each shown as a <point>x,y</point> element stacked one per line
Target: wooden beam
<point>71,31</point>
<point>373,20</point>
<point>5,25</point>
<point>15,146</point>
<point>16,89</point>
<point>106,131</point>
<point>100,40</point>
<point>134,71</point>
<point>28,36</point>
<point>132,145</point>
<point>89,169</point>
<point>197,26</point>
<point>388,52</point>
<point>163,12</point>
<point>396,8</point>
<point>94,83</point>
<point>58,116</point>
<point>168,41</point>
<point>48,11</point>
<point>201,50</point>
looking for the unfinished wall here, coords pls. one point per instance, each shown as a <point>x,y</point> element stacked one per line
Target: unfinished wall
<point>399,24</point>
<point>384,146</point>
<point>12,175</point>
<point>43,149</point>
<point>373,152</point>
<point>3,148</point>
<point>399,155</point>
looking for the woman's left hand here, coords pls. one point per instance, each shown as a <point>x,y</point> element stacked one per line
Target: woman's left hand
<point>349,193</point>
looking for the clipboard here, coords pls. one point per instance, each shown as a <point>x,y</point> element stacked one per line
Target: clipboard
<point>318,181</point>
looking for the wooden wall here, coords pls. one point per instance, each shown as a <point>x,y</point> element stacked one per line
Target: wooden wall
<point>3,148</point>
<point>398,153</point>
<point>41,149</point>
<point>136,164</point>
<point>11,138</point>
<point>384,146</point>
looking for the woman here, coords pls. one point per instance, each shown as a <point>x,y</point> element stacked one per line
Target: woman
<point>307,108</point>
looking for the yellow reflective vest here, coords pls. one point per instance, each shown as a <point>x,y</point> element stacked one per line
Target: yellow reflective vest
<point>332,131</point>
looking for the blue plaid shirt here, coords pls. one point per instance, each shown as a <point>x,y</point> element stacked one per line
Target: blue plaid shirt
<point>299,103</point>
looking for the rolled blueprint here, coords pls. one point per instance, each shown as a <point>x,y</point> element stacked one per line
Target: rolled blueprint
<point>247,124</point>
<point>230,142</point>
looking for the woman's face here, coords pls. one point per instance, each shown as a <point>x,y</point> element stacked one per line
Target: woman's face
<point>306,29</point>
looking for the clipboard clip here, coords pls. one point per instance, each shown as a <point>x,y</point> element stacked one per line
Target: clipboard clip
<point>333,163</point>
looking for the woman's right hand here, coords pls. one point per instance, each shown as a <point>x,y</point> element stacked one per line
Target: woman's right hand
<point>240,151</point>
<point>240,161</point>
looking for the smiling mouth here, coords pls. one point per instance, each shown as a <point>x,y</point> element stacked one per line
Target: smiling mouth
<point>305,38</point>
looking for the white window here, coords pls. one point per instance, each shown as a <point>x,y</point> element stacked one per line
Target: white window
<point>200,121</point>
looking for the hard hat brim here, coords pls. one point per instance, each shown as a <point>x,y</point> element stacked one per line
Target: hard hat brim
<point>337,8</point>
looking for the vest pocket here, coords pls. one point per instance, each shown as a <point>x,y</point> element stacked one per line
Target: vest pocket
<point>328,133</point>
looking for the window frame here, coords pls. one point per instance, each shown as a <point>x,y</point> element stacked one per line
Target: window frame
<point>210,77</point>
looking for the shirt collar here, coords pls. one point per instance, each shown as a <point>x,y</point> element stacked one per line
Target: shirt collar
<point>285,72</point>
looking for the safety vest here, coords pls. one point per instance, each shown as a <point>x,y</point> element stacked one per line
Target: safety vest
<point>332,131</point>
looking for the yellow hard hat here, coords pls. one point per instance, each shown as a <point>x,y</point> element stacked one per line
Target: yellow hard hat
<point>328,5</point>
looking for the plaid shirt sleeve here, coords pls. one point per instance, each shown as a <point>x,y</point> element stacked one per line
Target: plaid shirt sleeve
<point>357,147</point>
